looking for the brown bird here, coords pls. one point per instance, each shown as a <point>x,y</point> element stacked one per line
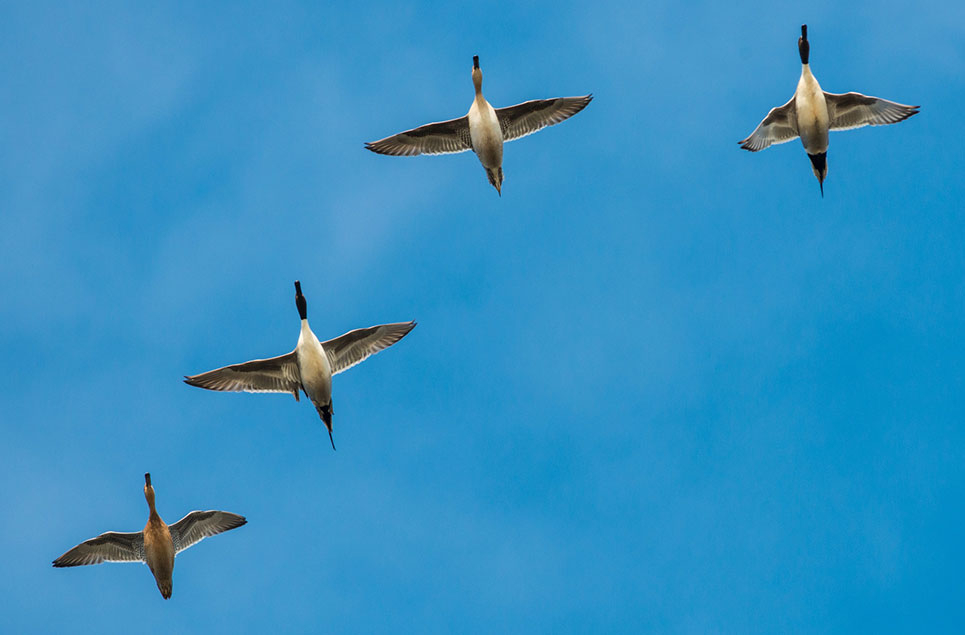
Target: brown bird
<point>156,545</point>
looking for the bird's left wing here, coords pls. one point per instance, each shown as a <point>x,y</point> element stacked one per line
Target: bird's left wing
<point>197,526</point>
<point>854,110</point>
<point>348,350</point>
<point>528,117</point>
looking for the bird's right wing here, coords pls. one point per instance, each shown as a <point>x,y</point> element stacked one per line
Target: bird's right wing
<point>528,117</point>
<point>197,526</point>
<point>278,374</point>
<point>854,110</point>
<point>111,546</point>
<point>444,137</point>
<point>779,126</point>
<point>348,350</point>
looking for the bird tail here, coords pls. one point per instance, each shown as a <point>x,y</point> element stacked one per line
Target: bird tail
<point>325,412</point>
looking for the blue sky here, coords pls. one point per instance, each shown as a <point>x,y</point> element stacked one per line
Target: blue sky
<point>659,385</point>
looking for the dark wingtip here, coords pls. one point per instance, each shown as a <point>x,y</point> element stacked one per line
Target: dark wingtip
<point>804,31</point>
<point>475,61</point>
<point>298,287</point>
<point>147,478</point>
<point>332,439</point>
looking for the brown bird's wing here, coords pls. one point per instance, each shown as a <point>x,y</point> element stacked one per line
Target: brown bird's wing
<point>197,526</point>
<point>111,546</point>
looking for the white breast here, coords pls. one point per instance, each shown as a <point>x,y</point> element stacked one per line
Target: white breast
<point>314,367</point>
<point>486,135</point>
<point>812,113</point>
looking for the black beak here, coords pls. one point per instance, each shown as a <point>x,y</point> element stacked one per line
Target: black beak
<point>475,61</point>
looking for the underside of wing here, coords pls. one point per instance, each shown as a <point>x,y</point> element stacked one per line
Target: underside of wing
<point>198,525</point>
<point>108,547</point>
<point>779,126</point>
<point>277,374</point>
<point>348,350</point>
<point>854,110</point>
<point>528,117</point>
<point>444,137</point>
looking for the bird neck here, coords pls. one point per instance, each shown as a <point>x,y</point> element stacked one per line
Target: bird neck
<point>477,81</point>
<point>149,496</point>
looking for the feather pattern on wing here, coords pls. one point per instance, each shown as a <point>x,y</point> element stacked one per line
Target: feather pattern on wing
<point>277,374</point>
<point>196,526</point>
<point>444,137</point>
<point>854,110</point>
<point>348,350</point>
<point>111,546</point>
<point>528,117</point>
<point>779,126</point>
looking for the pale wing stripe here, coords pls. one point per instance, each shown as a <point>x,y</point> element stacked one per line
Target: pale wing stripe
<point>276,374</point>
<point>854,110</point>
<point>348,350</point>
<point>111,546</point>
<point>528,117</point>
<point>779,126</point>
<point>198,525</point>
<point>444,137</point>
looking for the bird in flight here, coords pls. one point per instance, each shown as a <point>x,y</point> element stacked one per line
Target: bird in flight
<point>309,367</point>
<point>483,130</point>
<point>156,546</point>
<point>812,113</point>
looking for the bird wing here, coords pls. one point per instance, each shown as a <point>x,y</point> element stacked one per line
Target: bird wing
<point>197,526</point>
<point>348,350</point>
<point>111,546</point>
<point>528,117</point>
<point>854,110</point>
<point>278,374</point>
<point>444,137</point>
<point>779,126</point>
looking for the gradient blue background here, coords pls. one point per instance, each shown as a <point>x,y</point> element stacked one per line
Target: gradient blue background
<point>659,385</point>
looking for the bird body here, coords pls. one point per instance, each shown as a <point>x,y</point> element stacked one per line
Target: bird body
<point>156,545</point>
<point>812,113</point>
<point>486,137</point>
<point>159,553</point>
<point>314,368</point>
